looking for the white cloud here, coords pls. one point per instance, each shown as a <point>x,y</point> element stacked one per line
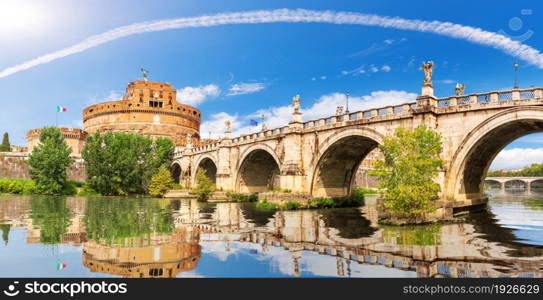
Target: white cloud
<point>112,96</point>
<point>196,95</point>
<point>280,116</point>
<point>374,69</point>
<point>517,158</point>
<point>446,81</point>
<point>388,41</point>
<point>313,78</point>
<point>216,125</point>
<point>386,68</point>
<point>457,31</point>
<point>245,88</point>
<point>323,77</point>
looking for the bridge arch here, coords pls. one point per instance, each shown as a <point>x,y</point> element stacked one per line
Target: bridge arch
<point>176,172</point>
<point>511,182</point>
<point>539,183</point>
<point>335,165</point>
<point>257,169</point>
<point>208,163</point>
<point>476,152</point>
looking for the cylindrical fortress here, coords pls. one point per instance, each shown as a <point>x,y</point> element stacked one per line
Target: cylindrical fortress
<point>147,108</point>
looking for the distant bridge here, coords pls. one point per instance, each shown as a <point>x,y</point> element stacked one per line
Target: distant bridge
<point>503,180</point>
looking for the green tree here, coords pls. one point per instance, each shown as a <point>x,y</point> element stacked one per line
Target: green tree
<point>5,147</point>
<point>406,174</point>
<point>122,163</point>
<point>204,185</point>
<point>161,182</point>
<point>161,155</point>
<point>49,161</point>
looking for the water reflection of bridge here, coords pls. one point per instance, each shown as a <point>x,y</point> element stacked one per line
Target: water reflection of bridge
<point>452,250</point>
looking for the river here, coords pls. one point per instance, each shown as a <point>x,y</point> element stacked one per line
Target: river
<point>141,237</point>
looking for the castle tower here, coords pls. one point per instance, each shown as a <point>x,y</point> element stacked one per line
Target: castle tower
<point>147,108</point>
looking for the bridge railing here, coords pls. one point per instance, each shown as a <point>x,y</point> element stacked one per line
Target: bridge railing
<point>492,97</point>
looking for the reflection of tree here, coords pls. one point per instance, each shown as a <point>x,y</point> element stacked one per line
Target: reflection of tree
<point>122,221</point>
<point>349,221</point>
<point>425,235</point>
<point>5,232</point>
<point>52,216</point>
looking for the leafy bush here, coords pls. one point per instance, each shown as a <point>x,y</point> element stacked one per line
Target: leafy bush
<point>161,182</point>
<point>291,205</point>
<point>242,197</point>
<point>204,186</point>
<point>18,186</point>
<point>356,199</point>
<point>267,206</point>
<point>177,186</point>
<point>365,191</point>
<point>407,173</point>
<point>87,191</point>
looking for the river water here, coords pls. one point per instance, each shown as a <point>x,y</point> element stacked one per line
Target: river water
<point>135,237</point>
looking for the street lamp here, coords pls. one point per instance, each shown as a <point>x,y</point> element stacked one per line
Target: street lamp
<point>516,65</point>
<point>347,98</point>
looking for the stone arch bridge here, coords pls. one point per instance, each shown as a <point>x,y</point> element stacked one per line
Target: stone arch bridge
<point>320,157</point>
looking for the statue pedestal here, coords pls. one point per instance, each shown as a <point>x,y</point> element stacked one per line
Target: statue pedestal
<point>427,90</point>
<point>296,117</point>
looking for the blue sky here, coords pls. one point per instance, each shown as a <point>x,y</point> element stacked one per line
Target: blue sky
<point>242,71</point>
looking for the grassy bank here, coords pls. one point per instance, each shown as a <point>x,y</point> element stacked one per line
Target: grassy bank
<point>20,186</point>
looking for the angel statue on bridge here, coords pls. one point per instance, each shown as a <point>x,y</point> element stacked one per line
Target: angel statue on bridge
<point>188,140</point>
<point>227,124</point>
<point>427,68</point>
<point>459,89</point>
<point>296,103</point>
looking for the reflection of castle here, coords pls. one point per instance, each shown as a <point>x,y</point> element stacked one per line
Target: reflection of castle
<point>147,108</point>
<point>157,256</point>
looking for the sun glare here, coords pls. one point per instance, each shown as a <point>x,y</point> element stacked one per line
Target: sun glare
<point>17,16</point>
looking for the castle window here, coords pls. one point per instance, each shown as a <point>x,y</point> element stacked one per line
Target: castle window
<point>155,104</point>
<point>156,272</point>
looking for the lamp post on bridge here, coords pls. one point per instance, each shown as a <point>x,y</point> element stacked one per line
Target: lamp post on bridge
<point>347,99</point>
<point>516,65</point>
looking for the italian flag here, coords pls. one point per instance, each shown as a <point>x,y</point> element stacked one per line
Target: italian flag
<point>61,109</point>
<point>61,266</point>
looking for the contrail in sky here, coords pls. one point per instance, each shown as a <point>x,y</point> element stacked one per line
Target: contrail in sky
<point>468,33</point>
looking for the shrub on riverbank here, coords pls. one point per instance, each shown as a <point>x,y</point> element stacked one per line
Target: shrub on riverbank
<point>356,199</point>
<point>407,173</point>
<point>161,182</point>
<point>29,187</point>
<point>365,191</point>
<point>204,186</point>
<point>18,186</point>
<point>242,197</point>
